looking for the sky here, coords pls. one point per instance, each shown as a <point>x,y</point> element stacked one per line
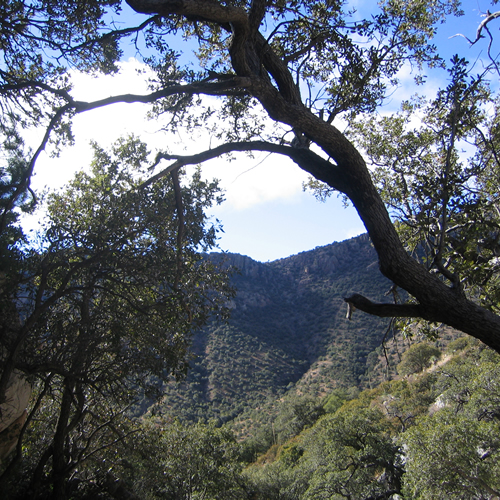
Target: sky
<point>266,215</point>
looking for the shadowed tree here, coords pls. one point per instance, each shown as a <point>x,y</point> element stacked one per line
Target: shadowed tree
<point>285,73</point>
<point>107,307</point>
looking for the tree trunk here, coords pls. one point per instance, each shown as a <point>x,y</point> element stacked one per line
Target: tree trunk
<point>273,85</point>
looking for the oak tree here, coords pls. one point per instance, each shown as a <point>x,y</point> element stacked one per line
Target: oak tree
<point>285,73</point>
<point>106,307</point>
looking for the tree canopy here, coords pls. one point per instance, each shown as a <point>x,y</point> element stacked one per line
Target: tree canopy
<point>286,73</point>
<point>105,309</point>
<point>301,79</point>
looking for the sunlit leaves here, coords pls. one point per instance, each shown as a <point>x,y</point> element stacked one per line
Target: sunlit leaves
<point>450,455</point>
<point>417,358</point>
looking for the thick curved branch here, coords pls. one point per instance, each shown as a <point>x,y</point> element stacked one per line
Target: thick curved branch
<point>207,11</point>
<point>278,69</point>
<point>384,310</point>
<point>304,158</point>
<point>248,49</point>
<point>202,10</point>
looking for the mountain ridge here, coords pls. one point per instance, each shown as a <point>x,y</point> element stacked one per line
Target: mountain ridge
<point>288,319</point>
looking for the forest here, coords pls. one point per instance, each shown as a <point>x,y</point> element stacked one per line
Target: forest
<point>137,362</point>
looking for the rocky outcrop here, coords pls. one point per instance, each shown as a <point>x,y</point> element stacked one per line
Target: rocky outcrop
<point>13,412</point>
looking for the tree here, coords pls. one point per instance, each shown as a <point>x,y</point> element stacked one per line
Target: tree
<point>417,358</point>
<point>296,414</point>
<point>259,59</point>
<point>352,455</point>
<point>107,301</point>
<point>172,460</point>
<point>451,456</point>
<point>453,451</point>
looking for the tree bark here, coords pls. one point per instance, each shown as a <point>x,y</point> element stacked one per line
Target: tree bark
<point>346,171</point>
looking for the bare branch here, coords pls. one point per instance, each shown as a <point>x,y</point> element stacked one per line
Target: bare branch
<point>218,88</point>
<point>384,310</point>
<point>479,33</point>
<point>304,158</point>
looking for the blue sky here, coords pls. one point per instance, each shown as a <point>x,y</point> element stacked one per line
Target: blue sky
<point>267,215</point>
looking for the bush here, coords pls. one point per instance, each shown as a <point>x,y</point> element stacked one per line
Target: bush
<point>417,358</point>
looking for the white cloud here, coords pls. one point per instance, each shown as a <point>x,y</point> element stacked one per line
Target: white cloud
<point>354,231</point>
<point>252,181</point>
<point>248,181</point>
<point>266,214</point>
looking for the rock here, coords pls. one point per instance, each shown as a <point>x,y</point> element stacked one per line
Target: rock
<point>13,412</point>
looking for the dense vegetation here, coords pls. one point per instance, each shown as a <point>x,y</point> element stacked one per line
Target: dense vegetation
<point>99,306</point>
<point>107,294</point>
<point>431,434</point>
<point>288,326</point>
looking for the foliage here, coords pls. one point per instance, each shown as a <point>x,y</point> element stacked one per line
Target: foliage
<point>258,60</point>
<point>295,415</point>
<point>444,200</point>
<point>417,358</point>
<point>109,298</point>
<point>450,455</point>
<point>335,400</point>
<point>454,451</point>
<point>358,457</point>
<point>432,436</point>
<point>170,460</point>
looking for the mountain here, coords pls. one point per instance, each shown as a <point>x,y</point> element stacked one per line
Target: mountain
<point>288,331</point>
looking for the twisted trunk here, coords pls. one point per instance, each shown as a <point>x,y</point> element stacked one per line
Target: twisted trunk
<point>347,172</point>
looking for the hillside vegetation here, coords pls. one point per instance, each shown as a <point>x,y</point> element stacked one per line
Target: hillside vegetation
<point>432,433</point>
<point>280,404</point>
<point>287,331</point>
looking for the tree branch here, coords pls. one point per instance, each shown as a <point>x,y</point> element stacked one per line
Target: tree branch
<point>489,17</point>
<point>32,84</point>
<point>201,10</point>
<point>304,158</point>
<point>205,87</point>
<point>24,184</point>
<point>384,310</point>
<point>112,35</point>
<point>222,87</point>
<point>256,15</point>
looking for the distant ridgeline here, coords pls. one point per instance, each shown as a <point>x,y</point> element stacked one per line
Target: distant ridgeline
<point>288,331</point>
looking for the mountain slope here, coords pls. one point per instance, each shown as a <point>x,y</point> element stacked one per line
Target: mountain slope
<point>288,327</point>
